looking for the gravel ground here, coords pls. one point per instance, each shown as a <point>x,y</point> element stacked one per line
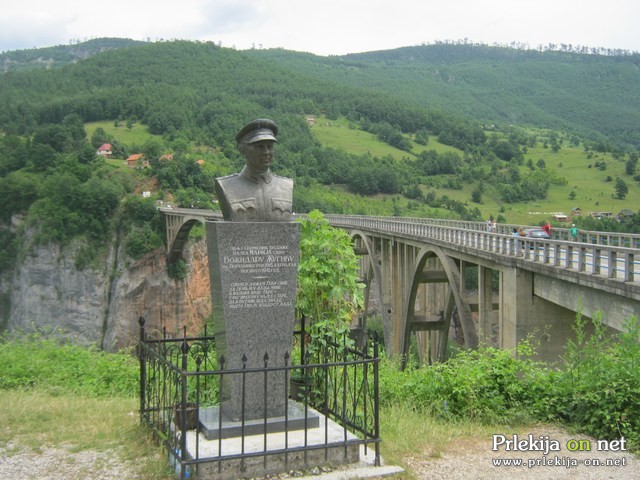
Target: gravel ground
<point>468,459</point>
<point>474,460</point>
<point>19,463</point>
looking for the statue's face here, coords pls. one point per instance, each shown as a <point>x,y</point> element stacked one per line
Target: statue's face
<point>259,155</point>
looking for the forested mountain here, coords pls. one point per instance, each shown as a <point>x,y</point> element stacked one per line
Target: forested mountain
<point>592,94</point>
<point>52,57</point>
<point>192,97</point>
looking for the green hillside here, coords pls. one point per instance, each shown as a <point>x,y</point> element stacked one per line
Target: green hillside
<point>349,149</point>
<point>591,94</point>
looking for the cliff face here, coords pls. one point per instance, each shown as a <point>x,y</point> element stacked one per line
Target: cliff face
<point>103,307</point>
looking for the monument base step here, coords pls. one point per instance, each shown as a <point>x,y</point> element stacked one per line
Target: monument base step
<point>214,427</point>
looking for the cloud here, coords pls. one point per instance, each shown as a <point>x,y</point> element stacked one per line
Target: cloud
<point>327,27</point>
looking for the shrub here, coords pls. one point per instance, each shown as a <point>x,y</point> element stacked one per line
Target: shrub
<point>487,385</point>
<point>598,390</point>
<point>141,241</point>
<point>329,291</point>
<point>32,361</point>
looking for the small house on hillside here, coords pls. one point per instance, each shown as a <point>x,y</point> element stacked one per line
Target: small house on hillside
<point>560,217</point>
<point>104,150</point>
<point>137,160</point>
<point>625,213</point>
<point>576,211</point>
<point>600,215</point>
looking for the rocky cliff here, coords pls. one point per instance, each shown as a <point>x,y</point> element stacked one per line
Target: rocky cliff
<point>102,306</point>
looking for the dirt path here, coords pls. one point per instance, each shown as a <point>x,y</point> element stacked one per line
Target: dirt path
<point>477,460</point>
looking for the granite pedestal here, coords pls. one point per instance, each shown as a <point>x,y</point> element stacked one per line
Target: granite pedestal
<point>253,268</point>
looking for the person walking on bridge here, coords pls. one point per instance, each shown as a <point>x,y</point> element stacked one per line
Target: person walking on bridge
<point>574,232</point>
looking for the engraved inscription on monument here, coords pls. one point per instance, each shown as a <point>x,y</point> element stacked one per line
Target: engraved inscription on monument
<point>261,262</point>
<point>265,294</point>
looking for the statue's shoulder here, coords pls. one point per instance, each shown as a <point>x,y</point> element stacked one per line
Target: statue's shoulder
<point>227,179</point>
<point>283,179</point>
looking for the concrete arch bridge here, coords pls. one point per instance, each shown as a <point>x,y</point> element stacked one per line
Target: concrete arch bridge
<point>429,275</point>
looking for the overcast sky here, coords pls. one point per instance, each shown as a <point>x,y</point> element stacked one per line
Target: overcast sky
<point>324,27</point>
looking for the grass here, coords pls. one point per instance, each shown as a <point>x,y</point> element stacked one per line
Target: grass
<point>36,419</point>
<point>408,432</point>
<point>592,190</point>
<point>131,137</point>
<point>339,135</point>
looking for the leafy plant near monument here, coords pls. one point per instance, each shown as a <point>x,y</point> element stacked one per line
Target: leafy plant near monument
<point>600,386</point>
<point>329,293</point>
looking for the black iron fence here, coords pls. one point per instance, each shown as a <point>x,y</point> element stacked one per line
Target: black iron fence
<point>332,405</point>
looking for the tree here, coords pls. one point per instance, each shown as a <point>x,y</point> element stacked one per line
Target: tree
<point>329,291</point>
<point>422,137</point>
<point>99,137</point>
<point>506,151</point>
<point>621,188</point>
<point>19,191</point>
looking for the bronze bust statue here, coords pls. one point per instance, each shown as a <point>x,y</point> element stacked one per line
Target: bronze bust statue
<point>255,194</point>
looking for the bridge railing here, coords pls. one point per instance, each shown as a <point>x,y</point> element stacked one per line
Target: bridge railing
<point>607,254</point>
<point>616,239</point>
<point>606,260</point>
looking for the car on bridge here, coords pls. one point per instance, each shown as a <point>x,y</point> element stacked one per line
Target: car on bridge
<point>537,233</point>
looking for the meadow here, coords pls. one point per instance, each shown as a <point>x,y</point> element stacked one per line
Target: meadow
<point>593,187</point>
<point>134,135</point>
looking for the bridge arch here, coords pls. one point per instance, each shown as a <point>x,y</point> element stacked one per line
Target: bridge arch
<point>179,223</point>
<point>435,272</point>
<point>371,274</point>
<point>174,251</point>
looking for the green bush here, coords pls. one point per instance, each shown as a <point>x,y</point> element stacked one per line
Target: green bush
<point>329,291</point>
<point>32,361</point>
<point>487,385</point>
<point>599,389</point>
<point>142,240</point>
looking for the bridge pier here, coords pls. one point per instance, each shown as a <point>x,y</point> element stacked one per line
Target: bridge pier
<point>524,314</point>
<point>485,305</point>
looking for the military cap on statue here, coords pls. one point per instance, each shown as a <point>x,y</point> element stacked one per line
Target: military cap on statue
<point>260,129</point>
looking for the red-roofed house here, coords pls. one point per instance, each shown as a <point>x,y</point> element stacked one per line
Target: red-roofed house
<point>137,160</point>
<point>104,150</point>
